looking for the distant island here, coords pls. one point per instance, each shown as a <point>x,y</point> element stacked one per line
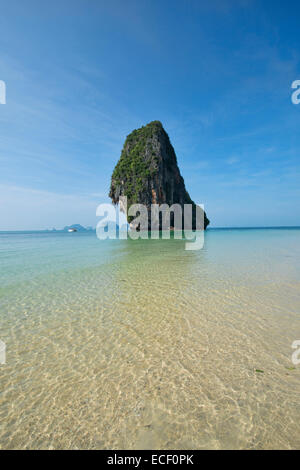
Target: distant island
<point>72,228</point>
<point>147,173</point>
<point>77,228</point>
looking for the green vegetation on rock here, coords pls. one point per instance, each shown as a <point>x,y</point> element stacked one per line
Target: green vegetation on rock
<point>138,162</point>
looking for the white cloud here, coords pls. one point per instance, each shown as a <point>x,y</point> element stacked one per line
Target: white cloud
<point>232,160</point>
<point>31,209</point>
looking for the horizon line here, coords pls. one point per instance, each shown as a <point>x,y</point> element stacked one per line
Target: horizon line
<point>208,228</point>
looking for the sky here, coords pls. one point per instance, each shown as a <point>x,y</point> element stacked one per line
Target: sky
<point>80,75</point>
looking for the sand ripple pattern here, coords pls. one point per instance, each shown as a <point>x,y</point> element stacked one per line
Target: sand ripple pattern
<point>140,344</point>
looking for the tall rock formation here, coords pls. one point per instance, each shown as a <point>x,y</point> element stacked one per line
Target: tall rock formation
<point>147,172</point>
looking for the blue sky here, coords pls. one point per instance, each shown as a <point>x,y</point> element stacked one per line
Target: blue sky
<point>81,75</point>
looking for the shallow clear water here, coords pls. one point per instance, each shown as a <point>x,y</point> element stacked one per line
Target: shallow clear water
<point>141,344</point>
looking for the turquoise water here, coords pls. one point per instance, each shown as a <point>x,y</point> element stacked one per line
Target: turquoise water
<point>141,344</point>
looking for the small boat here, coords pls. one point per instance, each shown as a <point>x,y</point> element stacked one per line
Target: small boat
<point>72,230</point>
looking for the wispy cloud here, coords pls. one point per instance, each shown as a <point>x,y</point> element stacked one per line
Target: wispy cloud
<point>36,209</point>
<point>232,160</point>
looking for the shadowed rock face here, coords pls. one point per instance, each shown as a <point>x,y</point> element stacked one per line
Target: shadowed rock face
<point>147,173</point>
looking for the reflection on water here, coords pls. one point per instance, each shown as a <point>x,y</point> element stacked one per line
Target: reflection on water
<point>141,344</point>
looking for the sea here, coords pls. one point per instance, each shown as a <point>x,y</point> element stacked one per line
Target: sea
<point>142,344</point>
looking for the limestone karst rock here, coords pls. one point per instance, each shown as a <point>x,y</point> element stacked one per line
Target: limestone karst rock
<point>147,173</point>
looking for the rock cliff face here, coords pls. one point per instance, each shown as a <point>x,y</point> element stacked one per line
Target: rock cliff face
<point>147,173</point>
